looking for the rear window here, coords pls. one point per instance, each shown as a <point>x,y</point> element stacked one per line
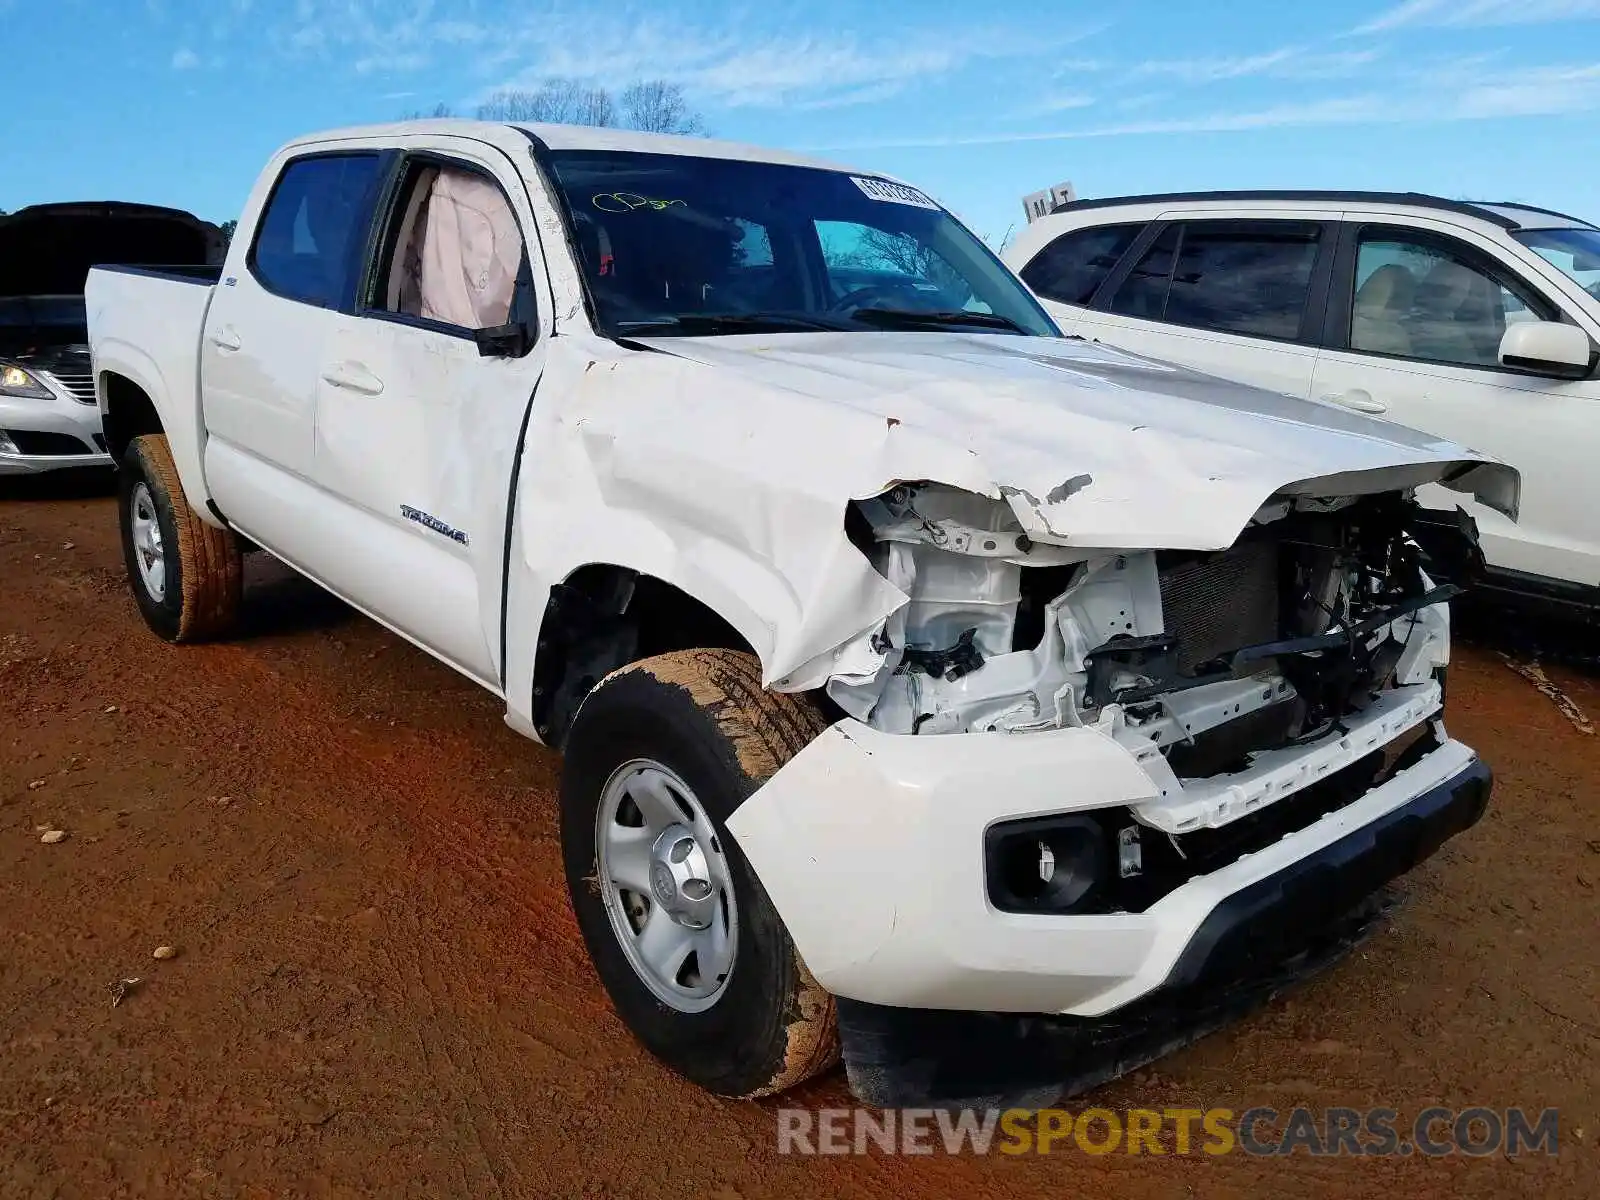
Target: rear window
<point>1070,269</point>
<point>309,243</point>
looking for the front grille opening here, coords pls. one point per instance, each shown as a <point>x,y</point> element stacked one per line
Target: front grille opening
<point>1228,748</point>
<point>46,445</point>
<point>1169,862</point>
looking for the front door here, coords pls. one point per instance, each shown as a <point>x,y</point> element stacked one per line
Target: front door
<point>418,428</point>
<point>1421,316</point>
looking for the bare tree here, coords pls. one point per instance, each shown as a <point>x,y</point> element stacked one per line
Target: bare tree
<point>649,105</point>
<point>884,250</point>
<point>439,110</point>
<point>556,101</point>
<point>657,106</point>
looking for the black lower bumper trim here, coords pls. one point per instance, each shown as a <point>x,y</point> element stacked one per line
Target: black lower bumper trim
<point>1257,942</point>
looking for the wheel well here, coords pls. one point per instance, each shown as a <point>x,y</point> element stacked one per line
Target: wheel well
<point>129,413</point>
<point>604,617</point>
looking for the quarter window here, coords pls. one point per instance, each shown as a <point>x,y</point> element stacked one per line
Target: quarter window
<point>1070,269</point>
<point>312,231</point>
<point>1415,299</point>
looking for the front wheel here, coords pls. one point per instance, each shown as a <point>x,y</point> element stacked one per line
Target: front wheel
<point>187,576</point>
<point>692,952</point>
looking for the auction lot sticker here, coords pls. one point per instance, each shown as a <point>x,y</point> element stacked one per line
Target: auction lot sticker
<point>894,193</point>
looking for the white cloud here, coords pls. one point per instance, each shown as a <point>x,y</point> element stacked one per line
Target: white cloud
<point>1461,13</point>
<point>1056,102</point>
<point>742,67</point>
<point>398,60</point>
<point>185,59</point>
<point>733,61</point>
<point>1454,92</point>
<point>1287,63</point>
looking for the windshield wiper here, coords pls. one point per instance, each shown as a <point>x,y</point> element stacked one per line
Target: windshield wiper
<point>911,316</point>
<point>692,323</point>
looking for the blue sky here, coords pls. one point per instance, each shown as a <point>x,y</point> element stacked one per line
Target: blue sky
<point>180,101</point>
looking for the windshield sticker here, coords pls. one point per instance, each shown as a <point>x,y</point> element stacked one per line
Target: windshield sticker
<point>621,202</point>
<point>893,193</point>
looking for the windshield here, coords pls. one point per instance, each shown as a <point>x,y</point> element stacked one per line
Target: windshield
<point>1573,251</point>
<point>679,244</point>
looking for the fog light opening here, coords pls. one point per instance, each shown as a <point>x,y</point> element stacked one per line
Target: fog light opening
<point>1044,865</point>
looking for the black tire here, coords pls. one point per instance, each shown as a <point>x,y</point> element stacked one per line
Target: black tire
<point>204,575</point>
<point>704,715</point>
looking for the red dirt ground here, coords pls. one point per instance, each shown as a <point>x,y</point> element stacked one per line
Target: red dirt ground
<point>379,989</point>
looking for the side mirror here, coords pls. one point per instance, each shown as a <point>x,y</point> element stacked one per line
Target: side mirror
<point>1548,347</point>
<point>503,341</point>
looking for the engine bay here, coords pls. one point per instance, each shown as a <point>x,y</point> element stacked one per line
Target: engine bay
<point>1208,658</point>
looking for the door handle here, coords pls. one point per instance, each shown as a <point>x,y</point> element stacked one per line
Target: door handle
<point>226,339</point>
<point>354,378</point>
<point>1358,399</point>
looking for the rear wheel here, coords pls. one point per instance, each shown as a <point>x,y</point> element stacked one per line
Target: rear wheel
<point>187,576</point>
<point>694,956</point>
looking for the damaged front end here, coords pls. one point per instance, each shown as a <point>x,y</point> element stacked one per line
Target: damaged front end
<point>1320,615</point>
<point>1260,688</point>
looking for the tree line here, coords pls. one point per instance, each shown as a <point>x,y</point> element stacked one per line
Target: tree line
<point>648,105</point>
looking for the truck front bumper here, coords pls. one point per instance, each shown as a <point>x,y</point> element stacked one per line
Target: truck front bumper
<point>871,846</point>
<point>1258,942</point>
<point>49,434</point>
<point>946,1002</point>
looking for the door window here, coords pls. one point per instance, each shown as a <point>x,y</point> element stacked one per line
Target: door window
<point>1254,279</point>
<point>1070,269</point>
<point>453,250</point>
<point>309,241</point>
<point>1417,299</point>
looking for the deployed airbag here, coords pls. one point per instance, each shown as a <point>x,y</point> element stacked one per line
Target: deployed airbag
<point>471,249</point>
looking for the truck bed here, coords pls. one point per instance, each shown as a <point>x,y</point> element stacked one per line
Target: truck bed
<point>207,273</point>
<point>145,324</point>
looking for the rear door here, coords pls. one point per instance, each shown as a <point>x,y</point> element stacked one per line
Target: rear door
<point>418,426</point>
<point>1236,297</point>
<point>275,303</point>
<point>1414,332</point>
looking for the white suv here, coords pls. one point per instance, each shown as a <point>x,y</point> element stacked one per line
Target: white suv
<point>1474,322</point>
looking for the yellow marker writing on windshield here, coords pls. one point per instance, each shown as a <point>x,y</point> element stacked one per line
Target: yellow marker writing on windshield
<point>619,202</point>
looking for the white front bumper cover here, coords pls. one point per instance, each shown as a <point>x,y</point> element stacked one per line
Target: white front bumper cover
<point>871,846</point>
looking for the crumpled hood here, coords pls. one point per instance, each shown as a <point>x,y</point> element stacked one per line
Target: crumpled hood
<point>1092,446</point>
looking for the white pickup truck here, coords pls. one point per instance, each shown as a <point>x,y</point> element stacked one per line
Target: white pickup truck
<point>998,709</point>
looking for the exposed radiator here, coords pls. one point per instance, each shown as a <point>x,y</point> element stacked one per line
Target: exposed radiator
<point>1222,602</point>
